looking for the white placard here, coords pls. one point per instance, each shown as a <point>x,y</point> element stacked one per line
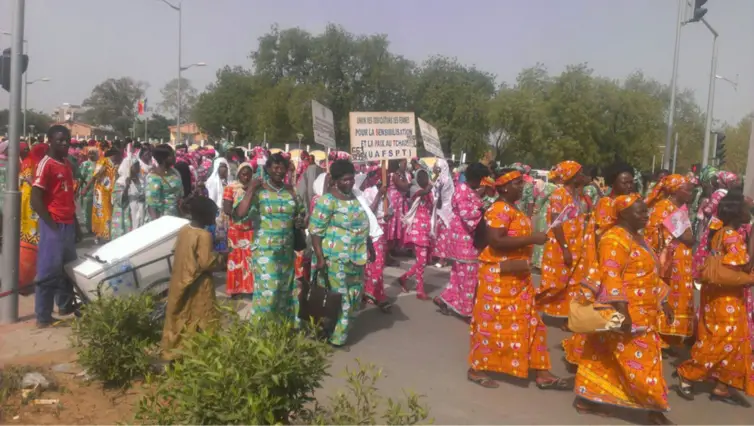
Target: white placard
<point>382,135</point>
<point>324,125</point>
<point>431,138</point>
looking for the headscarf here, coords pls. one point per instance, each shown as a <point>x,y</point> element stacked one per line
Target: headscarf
<point>337,155</point>
<point>3,149</point>
<point>508,177</point>
<point>214,183</point>
<point>726,179</point>
<point>707,173</point>
<point>375,230</point>
<point>666,186</point>
<point>620,203</point>
<point>124,170</point>
<point>487,182</point>
<point>445,188</point>
<point>565,171</point>
<point>37,153</point>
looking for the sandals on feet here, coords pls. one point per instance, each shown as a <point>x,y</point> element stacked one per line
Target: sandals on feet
<point>684,388</point>
<point>588,409</point>
<point>440,304</point>
<point>482,380</point>
<point>559,384</point>
<point>732,397</point>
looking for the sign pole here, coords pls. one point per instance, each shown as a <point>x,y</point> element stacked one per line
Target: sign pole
<point>384,183</point>
<point>12,205</point>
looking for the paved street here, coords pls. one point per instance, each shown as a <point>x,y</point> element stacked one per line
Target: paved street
<point>421,350</point>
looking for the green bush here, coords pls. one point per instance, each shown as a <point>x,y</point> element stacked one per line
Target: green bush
<point>362,404</point>
<point>115,337</point>
<point>250,372</point>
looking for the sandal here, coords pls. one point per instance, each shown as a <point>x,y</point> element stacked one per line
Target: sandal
<point>440,304</point>
<point>482,380</point>
<point>559,384</point>
<point>402,283</point>
<point>684,388</point>
<point>385,306</point>
<point>584,408</point>
<point>732,397</point>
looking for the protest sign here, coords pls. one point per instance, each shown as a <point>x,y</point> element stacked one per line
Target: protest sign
<point>324,125</point>
<point>431,138</point>
<point>382,135</point>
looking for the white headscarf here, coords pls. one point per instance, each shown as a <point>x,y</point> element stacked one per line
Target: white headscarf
<point>444,187</point>
<point>124,170</point>
<point>214,183</point>
<point>375,230</point>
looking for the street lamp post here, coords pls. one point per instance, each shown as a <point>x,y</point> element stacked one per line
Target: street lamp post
<point>181,68</point>
<point>711,94</point>
<point>26,99</point>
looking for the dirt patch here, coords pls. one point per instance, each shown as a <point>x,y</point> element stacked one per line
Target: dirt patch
<point>78,401</point>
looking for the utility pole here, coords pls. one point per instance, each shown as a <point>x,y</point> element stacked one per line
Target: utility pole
<point>12,203</point>
<point>710,96</point>
<point>671,108</point>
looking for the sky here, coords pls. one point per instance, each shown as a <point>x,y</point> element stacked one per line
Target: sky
<point>80,43</point>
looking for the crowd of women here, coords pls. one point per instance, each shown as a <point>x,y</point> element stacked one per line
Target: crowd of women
<point>604,241</point>
<point>636,253</point>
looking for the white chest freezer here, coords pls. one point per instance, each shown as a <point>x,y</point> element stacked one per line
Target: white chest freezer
<point>139,261</point>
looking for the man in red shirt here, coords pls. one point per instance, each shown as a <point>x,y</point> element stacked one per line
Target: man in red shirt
<point>52,198</point>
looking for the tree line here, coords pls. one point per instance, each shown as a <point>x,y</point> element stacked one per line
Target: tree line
<point>541,118</point>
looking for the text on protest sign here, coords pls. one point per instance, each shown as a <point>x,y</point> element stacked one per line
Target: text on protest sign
<point>382,135</point>
<point>324,125</point>
<point>431,138</point>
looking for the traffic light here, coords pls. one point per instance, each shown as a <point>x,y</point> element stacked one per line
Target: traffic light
<point>720,148</point>
<point>699,11</point>
<point>5,68</point>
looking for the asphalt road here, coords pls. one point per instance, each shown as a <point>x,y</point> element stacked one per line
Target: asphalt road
<point>421,350</point>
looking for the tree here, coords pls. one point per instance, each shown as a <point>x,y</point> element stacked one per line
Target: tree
<point>157,127</point>
<point>113,103</point>
<point>455,100</point>
<point>227,104</point>
<point>169,104</point>
<point>737,144</point>
<point>38,119</point>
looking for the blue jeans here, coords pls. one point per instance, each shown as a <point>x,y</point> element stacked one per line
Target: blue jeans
<point>56,248</point>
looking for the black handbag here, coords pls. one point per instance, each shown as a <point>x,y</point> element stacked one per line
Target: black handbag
<point>480,235</point>
<point>299,239</point>
<point>319,302</point>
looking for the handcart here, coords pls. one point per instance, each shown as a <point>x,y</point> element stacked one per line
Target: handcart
<point>140,261</point>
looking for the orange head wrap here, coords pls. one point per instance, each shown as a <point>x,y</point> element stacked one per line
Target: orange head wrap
<point>621,203</point>
<point>565,171</point>
<point>666,186</point>
<point>487,181</point>
<point>508,177</point>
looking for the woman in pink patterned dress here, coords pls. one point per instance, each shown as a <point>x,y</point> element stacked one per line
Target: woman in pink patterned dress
<point>458,296</point>
<point>397,190</point>
<point>442,213</point>
<point>374,193</point>
<point>418,224</point>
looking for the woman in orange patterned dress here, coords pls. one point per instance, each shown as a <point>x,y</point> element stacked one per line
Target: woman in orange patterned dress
<point>507,333</point>
<point>624,368</point>
<point>563,248</point>
<point>722,351</point>
<point>620,178</point>
<point>668,195</point>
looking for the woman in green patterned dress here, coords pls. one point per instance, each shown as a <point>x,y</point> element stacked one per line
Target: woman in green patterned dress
<point>339,228</point>
<point>274,210</point>
<point>541,203</point>
<point>86,202</point>
<point>164,187</point>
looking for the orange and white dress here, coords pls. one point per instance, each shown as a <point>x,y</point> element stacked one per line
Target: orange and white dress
<point>681,281</point>
<point>507,333</point>
<point>600,220</point>
<point>559,283</point>
<point>618,368</point>
<point>722,350</point>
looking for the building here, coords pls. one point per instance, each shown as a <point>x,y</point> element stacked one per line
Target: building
<point>190,133</point>
<point>81,130</point>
